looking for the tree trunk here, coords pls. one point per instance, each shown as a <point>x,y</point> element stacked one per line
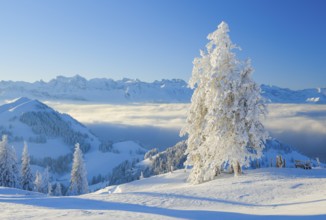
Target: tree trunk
<point>217,171</point>
<point>237,168</point>
<point>284,162</point>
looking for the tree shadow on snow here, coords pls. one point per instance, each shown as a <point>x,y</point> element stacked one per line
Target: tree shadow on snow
<point>214,200</point>
<point>74,203</point>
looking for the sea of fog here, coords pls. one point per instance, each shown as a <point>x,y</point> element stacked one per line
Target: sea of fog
<point>157,125</point>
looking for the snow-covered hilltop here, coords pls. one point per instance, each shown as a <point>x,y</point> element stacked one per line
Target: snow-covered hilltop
<point>51,137</point>
<point>105,90</point>
<point>31,120</point>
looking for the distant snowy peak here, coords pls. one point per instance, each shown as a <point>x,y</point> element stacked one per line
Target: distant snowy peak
<point>105,90</point>
<point>280,95</point>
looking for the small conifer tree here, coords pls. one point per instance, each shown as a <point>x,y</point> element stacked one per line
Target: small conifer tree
<point>26,173</point>
<point>9,174</point>
<point>78,179</point>
<point>38,182</point>
<point>58,190</point>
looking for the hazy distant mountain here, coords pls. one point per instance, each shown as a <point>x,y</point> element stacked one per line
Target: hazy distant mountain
<point>78,88</point>
<point>105,90</point>
<point>280,95</point>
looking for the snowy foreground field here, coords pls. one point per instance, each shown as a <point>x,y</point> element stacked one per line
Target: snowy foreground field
<point>259,194</point>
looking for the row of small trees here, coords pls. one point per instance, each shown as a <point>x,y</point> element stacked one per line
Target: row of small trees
<point>43,184</point>
<point>11,177</point>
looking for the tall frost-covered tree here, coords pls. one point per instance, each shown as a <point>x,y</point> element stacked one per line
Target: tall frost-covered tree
<point>223,122</point>
<point>38,182</point>
<point>42,182</point>
<point>45,181</point>
<point>50,189</point>
<point>8,165</point>
<point>26,173</point>
<point>57,190</point>
<point>78,179</point>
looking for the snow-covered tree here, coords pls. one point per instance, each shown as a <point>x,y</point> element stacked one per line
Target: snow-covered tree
<point>58,190</point>
<point>26,173</point>
<point>141,175</point>
<point>38,182</point>
<point>151,153</point>
<point>8,165</point>
<point>223,120</point>
<point>279,161</point>
<point>50,190</point>
<point>45,181</point>
<point>318,161</point>
<point>78,179</point>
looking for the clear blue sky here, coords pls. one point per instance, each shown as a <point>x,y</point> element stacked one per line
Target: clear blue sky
<point>148,40</point>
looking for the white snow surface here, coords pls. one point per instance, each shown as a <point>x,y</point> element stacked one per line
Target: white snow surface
<point>269,193</point>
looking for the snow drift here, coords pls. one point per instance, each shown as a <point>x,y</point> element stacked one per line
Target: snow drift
<point>268,193</point>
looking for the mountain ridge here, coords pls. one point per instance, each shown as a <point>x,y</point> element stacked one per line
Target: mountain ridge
<point>126,90</point>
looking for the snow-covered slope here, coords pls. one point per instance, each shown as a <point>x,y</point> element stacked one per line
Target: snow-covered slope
<point>51,137</point>
<point>274,148</point>
<point>268,193</point>
<point>105,90</point>
<point>48,132</point>
<point>173,158</point>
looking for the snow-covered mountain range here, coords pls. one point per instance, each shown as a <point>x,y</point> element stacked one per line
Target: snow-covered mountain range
<point>78,88</point>
<point>105,90</point>
<point>276,94</point>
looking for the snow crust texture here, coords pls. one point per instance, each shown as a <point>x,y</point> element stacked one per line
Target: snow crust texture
<point>259,194</point>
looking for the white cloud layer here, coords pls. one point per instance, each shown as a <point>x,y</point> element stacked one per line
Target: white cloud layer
<point>301,125</point>
<point>296,117</point>
<point>157,115</point>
